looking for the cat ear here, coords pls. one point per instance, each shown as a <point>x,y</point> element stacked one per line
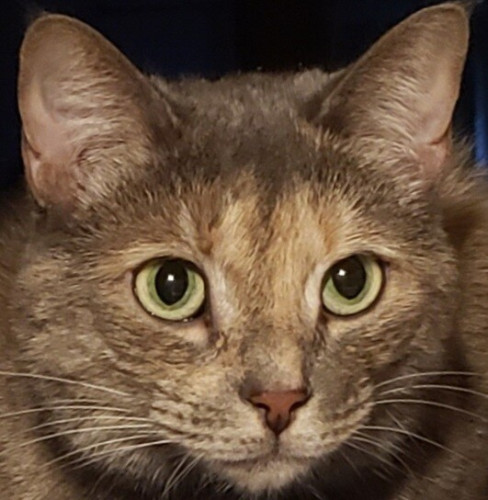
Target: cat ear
<point>405,87</point>
<point>82,105</point>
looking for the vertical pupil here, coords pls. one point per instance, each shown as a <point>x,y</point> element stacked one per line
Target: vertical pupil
<point>349,277</point>
<point>171,282</point>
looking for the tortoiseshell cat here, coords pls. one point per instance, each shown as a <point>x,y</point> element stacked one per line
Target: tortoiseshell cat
<point>261,287</point>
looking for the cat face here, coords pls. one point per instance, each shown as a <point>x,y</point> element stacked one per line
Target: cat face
<point>231,272</point>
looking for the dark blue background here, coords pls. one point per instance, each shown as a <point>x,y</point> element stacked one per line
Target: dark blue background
<point>213,37</point>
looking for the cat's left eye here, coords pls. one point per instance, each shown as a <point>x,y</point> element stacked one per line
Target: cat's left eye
<point>171,289</point>
<point>352,285</point>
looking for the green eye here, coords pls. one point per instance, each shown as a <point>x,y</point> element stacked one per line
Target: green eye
<point>352,285</point>
<point>170,289</point>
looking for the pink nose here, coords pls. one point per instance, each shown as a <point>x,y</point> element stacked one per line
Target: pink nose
<point>279,406</point>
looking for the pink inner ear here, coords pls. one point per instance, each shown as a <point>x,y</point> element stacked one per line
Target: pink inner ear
<point>46,148</point>
<point>46,133</point>
<point>436,103</point>
<point>433,156</point>
<point>49,183</point>
<point>435,109</point>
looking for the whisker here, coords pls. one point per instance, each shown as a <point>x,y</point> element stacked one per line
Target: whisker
<point>364,450</point>
<point>350,462</point>
<point>64,381</point>
<point>195,461</point>
<point>416,436</point>
<point>434,404</point>
<point>179,472</point>
<point>96,457</point>
<point>317,495</point>
<point>402,451</point>
<point>56,408</point>
<point>359,436</point>
<point>378,443</point>
<point>71,432</point>
<point>438,386</point>
<point>427,374</point>
<point>53,401</point>
<point>68,463</point>
<point>401,426</point>
<point>91,417</point>
<point>80,451</point>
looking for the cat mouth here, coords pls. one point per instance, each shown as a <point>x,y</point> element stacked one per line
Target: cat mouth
<point>275,456</point>
<point>270,471</point>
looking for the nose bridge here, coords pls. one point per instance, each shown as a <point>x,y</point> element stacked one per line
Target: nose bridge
<point>298,241</point>
<point>273,358</point>
<point>275,339</point>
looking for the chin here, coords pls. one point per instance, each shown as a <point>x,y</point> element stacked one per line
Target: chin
<point>263,476</point>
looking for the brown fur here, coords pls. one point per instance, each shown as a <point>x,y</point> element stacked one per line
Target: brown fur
<point>263,182</point>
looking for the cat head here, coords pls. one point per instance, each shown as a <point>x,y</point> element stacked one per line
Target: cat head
<point>227,272</point>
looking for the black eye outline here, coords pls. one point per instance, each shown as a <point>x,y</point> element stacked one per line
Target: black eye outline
<point>375,270</point>
<point>187,309</point>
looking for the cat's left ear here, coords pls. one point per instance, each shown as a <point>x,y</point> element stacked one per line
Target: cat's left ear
<point>404,89</point>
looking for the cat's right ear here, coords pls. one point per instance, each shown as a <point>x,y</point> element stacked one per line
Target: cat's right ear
<point>86,112</point>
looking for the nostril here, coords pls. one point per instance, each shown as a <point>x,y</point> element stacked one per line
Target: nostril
<point>261,406</point>
<point>279,406</point>
<point>297,405</point>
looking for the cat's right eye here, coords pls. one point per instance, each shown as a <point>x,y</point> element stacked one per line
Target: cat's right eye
<point>171,289</point>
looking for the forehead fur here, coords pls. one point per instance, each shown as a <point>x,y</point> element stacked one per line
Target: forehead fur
<point>258,126</point>
<point>247,159</point>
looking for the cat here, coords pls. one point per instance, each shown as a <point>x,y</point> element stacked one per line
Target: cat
<point>261,287</point>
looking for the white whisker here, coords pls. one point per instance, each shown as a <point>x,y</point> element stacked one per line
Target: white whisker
<point>96,457</point>
<point>394,451</point>
<point>439,386</point>
<point>415,436</point>
<point>71,432</point>
<point>91,417</point>
<point>365,451</point>
<point>41,409</point>
<point>81,451</point>
<point>350,462</point>
<point>64,381</point>
<point>125,449</point>
<point>179,472</point>
<point>434,404</point>
<point>426,374</point>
